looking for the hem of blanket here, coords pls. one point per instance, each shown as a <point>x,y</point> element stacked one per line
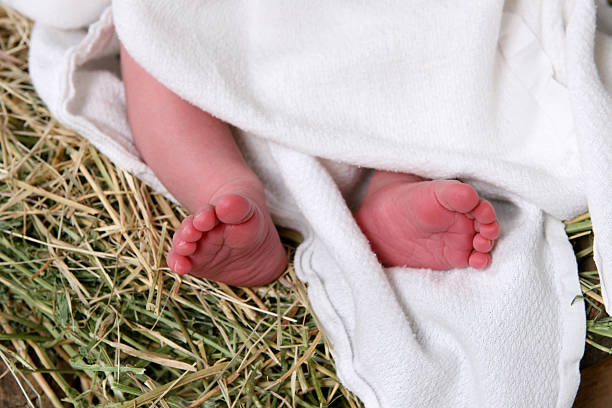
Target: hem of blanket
<point>606,293</point>
<point>327,317</point>
<point>107,145</point>
<point>572,320</point>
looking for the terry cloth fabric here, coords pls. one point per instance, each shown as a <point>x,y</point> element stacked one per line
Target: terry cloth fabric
<point>506,96</point>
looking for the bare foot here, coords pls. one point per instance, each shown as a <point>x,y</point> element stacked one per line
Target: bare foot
<point>232,241</point>
<point>436,224</point>
<point>231,237</point>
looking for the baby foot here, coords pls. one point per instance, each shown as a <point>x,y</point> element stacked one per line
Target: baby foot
<point>436,224</point>
<point>233,241</point>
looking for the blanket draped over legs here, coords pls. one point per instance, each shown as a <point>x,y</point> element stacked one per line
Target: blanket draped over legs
<point>504,96</point>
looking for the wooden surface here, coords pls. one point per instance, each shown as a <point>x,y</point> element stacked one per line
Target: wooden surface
<point>11,395</point>
<point>596,386</point>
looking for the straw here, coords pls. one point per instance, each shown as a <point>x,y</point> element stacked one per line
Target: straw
<point>90,311</point>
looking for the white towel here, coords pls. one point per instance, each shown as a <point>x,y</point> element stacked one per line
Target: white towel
<point>506,97</point>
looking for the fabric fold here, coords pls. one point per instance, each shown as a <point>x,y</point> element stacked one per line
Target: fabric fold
<point>318,92</point>
<point>592,109</point>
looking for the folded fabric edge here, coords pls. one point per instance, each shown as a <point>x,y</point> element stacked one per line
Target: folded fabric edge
<point>571,313</point>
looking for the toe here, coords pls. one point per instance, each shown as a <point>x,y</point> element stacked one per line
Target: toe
<point>234,209</point>
<point>185,248</point>
<point>481,244</point>
<point>489,231</point>
<point>188,232</point>
<point>178,263</point>
<point>205,219</point>
<point>456,196</point>
<point>484,212</point>
<point>479,260</point>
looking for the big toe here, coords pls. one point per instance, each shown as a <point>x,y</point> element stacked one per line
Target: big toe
<point>234,209</point>
<point>456,196</point>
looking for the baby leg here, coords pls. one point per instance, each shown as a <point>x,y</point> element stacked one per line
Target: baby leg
<point>230,237</point>
<point>437,224</point>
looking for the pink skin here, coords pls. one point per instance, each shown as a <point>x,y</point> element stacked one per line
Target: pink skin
<point>233,241</point>
<point>230,236</point>
<point>437,224</point>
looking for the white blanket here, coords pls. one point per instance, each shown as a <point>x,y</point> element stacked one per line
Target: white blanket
<point>506,97</point>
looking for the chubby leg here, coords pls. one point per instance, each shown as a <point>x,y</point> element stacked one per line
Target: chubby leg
<point>230,237</point>
<point>437,224</point>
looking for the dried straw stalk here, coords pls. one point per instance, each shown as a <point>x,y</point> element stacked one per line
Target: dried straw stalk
<point>88,308</point>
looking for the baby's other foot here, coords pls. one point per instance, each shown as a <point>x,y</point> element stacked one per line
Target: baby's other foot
<point>233,241</point>
<point>436,224</point>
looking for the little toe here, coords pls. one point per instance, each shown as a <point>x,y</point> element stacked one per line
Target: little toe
<point>456,196</point>
<point>234,209</point>
<point>187,232</point>
<point>205,219</point>
<point>481,244</point>
<point>479,260</point>
<point>484,212</point>
<point>489,231</point>
<point>178,263</point>
<point>185,248</point>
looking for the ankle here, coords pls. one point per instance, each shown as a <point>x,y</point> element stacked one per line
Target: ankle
<point>246,185</point>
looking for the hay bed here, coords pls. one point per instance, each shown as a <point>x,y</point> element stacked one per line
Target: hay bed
<point>90,314</point>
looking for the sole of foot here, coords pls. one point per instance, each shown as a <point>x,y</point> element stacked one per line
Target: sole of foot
<point>233,241</point>
<point>436,224</point>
